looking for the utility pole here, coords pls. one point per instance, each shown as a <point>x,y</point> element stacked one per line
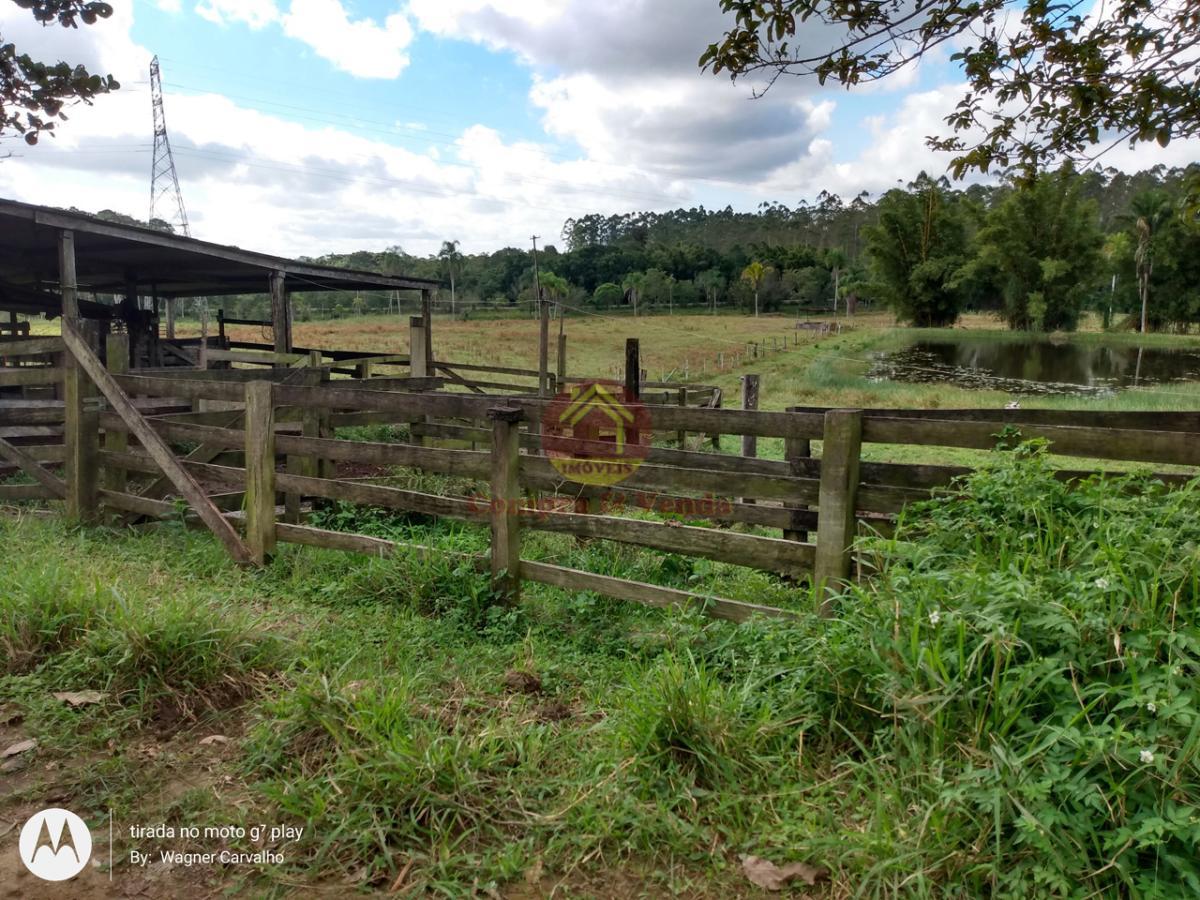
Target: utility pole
<point>543,328</point>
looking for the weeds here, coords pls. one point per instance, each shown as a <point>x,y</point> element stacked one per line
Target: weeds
<point>1008,708</point>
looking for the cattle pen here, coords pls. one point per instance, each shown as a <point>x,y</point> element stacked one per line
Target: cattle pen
<point>123,423</point>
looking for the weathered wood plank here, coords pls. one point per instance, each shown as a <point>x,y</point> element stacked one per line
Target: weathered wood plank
<point>1148,420</point>
<point>387,497</point>
<point>468,463</point>
<point>646,594</point>
<point>765,553</point>
<point>12,493</point>
<point>30,376</point>
<point>539,473</point>
<point>1179,448</point>
<point>35,470</point>
<point>36,346</point>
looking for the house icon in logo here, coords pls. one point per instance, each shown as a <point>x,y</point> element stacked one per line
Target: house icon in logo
<point>588,412</point>
<point>55,844</point>
<point>594,434</point>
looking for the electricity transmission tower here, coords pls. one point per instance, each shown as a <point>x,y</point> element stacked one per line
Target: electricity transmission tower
<point>164,180</point>
<point>164,184</point>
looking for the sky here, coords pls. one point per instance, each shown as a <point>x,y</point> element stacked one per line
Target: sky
<point>303,127</point>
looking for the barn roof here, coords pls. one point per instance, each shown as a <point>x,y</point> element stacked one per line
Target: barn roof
<point>110,257</point>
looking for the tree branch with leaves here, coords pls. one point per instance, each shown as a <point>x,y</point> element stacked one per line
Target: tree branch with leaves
<point>1046,81</point>
<point>33,94</point>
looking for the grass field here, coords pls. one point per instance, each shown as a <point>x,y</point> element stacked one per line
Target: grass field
<point>1008,709</point>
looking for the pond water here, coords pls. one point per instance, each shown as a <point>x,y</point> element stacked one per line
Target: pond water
<point>1037,366</point>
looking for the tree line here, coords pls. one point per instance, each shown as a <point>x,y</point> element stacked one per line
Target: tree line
<point>1037,252</point>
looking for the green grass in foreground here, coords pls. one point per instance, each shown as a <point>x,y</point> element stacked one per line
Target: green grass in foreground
<point>1008,709</point>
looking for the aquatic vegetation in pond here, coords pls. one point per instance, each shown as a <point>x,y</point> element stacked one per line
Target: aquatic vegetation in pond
<point>1037,366</point>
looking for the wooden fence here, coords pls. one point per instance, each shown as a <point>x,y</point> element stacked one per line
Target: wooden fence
<point>264,447</point>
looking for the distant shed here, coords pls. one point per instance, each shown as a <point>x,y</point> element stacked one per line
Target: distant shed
<point>50,257</point>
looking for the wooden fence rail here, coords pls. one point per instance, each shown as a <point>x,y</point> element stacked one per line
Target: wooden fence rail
<point>269,446</point>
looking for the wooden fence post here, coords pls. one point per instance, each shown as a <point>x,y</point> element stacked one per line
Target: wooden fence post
<point>681,436</point>
<point>561,360</point>
<point>506,502</point>
<point>116,354</point>
<point>260,470</point>
<point>841,447</point>
<point>418,361</point>
<point>716,404</point>
<point>418,343</point>
<point>633,369</point>
<point>796,449</point>
<point>749,401</point>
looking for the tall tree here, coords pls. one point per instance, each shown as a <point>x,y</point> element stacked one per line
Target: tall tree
<point>1044,80</point>
<point>917,251</point>
<point>1150,211</point>
<point>753,274</point>
<point>1043,241</point>
<point>34,93</point>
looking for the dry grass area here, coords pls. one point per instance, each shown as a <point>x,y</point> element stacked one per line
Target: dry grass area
<point>595,346</point>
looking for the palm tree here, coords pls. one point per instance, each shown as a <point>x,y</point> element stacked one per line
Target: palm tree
<point>710,281</point>
<point>450,256</point>
<point>633,284</point>
<point>754,273</point>
<point>1151,211</point>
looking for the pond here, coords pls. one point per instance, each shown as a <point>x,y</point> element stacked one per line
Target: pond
<point>1037,366</point>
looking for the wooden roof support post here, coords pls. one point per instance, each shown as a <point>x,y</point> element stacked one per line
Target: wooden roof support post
<point>427,316</point>
<point>66,275</point>
<point>281,313</point>
<point>81,433</point>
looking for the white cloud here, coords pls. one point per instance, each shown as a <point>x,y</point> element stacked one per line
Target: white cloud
<point>253,13</point>
<point>171,6</point>
<point>363,47</point>
<point>264,182</point>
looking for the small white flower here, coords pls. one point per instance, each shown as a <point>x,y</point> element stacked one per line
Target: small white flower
<point>1177,671</point>
<point>1151,708</point>
<point>1101,584</point>
<point>935,617</point>
<point>1146,757</point>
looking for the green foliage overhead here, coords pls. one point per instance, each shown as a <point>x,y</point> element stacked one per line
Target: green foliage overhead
<point>34,93</point>
<point>1045,81</point>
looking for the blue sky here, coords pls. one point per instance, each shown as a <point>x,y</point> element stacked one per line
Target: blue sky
<point>307,126</point>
